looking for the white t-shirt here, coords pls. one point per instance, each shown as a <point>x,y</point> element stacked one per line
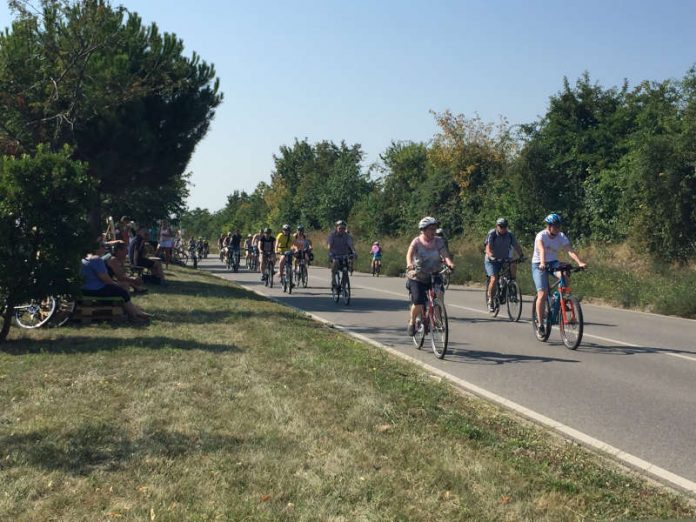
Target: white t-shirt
<point>551,246</point>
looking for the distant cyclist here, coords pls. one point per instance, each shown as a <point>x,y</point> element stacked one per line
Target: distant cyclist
<point>283,244</point>
<point>547,244</point>
<point>248,249</point>
<point>499,243</point>
<point>376,253</point>
<point>266,246</point>
<point>340,243</point>
<point>303,246</point>
<point>424,257</point>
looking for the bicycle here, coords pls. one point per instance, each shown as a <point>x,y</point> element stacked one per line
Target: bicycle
<point>254,261</point>
<point>507,292</point>
<point>445,278</point>
<point>376,267</point>
<point>286,280</point>
<point>562,309</point>
<point>179,256</point>
<point>301,274</point>
<point>433,319</point>
<point>269,271</point>
<point>340,284</point>
<point>36,313</point>
<point>235,259</point>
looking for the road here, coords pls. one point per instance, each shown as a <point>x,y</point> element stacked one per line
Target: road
<point>631,384</point>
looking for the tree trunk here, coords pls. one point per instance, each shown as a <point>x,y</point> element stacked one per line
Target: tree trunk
<point>7,321</point>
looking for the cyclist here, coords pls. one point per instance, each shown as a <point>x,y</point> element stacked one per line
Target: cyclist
<point>340,243</point>
<point>424,257</point>
<point>235,244</point>
<point>546,246</point>
<point>499,244</point>
<point>441,233</point>
<point>266,247</point>
<point>283,244</point>
<point>248,249</point>
<point>302,245</point>
<point>376,253</point>
<point>221,246</point>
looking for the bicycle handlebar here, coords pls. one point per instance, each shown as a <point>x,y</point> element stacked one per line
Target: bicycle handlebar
<point>565,267</point>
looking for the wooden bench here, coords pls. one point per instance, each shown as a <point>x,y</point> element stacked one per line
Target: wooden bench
<point>93,309</point>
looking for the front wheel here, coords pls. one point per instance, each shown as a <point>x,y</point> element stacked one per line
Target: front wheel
<point>65,307</point>
<point>543,335</point>
<point>335,289</point>
<point>345,290</point>
<point>514,301</point>
<point>35,313</point>
<point>571,323</point>
<point>419,332</point>
<point>439,330</point>
<point>495,310</point>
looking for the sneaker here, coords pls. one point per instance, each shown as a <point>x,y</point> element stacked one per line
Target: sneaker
<point>541,330</point>
<point>491,307</point>
<point>411,330</point>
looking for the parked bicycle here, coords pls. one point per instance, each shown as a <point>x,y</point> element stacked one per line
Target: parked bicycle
<point>47,311</point>
<point>433,319</point>
<point>286,280</point>
<point>507,292</point>
<point>340,284</point>
<point>562,309</point>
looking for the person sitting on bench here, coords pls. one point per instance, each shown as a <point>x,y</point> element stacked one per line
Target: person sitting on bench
<point>97,282</point>
<point>140,257</point>
<point>116,265</point>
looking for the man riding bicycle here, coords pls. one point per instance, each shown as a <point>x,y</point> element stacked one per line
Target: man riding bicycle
<point>284,243</point>
<point>266,246</point>
<point>303,246</point>
<point>340,243</point>
<point>499,243</point>
<point>546,246</point>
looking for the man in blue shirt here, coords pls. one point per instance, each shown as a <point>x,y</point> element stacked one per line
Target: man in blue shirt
<point>499,244</point>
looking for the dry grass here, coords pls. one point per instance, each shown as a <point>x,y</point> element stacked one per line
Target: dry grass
<point>230,407</point>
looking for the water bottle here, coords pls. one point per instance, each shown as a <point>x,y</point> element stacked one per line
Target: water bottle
<point>555,306</point>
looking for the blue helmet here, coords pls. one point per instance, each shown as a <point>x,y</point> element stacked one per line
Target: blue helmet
<point>553,219</point>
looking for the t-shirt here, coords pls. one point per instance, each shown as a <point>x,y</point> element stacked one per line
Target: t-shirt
<point>551,246</point>
<point>235,241</point>
<point>283,242</point>
<point>266,244</point>
<point>500,243</point>
<point>90,270</point>
<point>428,256</point>
<point>340,244</point>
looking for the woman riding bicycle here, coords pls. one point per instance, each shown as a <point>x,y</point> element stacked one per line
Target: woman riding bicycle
<point>424,257</point>
<point>376,253</point>
<point>546,246</point>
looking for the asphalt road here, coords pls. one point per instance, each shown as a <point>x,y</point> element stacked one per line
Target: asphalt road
<point>631,384</point>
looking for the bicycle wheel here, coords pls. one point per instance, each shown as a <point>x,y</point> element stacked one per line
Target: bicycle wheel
<point>304,276</point>
<point>345,289</point>
<point>496,300</point>
<point>64,311</point>
<point>571,323</point>
<point>36,313</point>
<point>419,333</point>
<point>543,337</point>
<point>439,330</point>
<point>514,301</point>
<point>271,273</point>
<point>335,289</point>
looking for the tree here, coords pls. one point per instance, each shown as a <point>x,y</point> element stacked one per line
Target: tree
<point>43,226</point>
<point>122,95</point>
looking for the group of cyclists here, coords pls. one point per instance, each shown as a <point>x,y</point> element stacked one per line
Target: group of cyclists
<point>426,255</point>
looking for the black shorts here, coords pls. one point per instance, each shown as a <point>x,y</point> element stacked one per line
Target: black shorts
<point>108,291</point>
<point>419,290</point>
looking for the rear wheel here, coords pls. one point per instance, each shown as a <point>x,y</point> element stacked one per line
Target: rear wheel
<point>546,321</point>
<point>514,301</point>
<point>35,313</point>
<point>439,330</point>
<point>65,308</point>
<point>571,323</point>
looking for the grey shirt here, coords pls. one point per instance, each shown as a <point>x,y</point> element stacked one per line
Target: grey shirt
<point>500,243</point>
<point>340,244</point>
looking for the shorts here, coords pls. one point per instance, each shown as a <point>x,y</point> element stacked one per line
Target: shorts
<point>419,290</point>
<point>541,277</point>
<point>492,267</point>
<point>376,257</point>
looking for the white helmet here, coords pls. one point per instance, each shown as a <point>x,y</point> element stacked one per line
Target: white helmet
<point>426,222</point>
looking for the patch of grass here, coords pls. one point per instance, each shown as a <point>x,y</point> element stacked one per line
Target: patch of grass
<point>232,407</point>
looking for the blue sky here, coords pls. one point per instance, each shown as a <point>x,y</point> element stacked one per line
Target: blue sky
<point>369,72</point>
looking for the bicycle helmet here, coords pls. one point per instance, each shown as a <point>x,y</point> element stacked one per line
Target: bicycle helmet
<point>267,230</point>
<point>249,235</point>
<point>376,243</point>
<point>553,219</point>
<point>286,227</point>
<point>502,222</point>
<point>426,222</point>
<point>341,223</point>
<point>300,228</point>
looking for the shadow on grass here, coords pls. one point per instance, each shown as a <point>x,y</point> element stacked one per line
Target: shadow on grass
<point>206,289</point>
<point>75,345</point>
<point>104,446</point>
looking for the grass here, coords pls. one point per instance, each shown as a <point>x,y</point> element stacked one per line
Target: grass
<point>231,407</point>
<point>618,275</point>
